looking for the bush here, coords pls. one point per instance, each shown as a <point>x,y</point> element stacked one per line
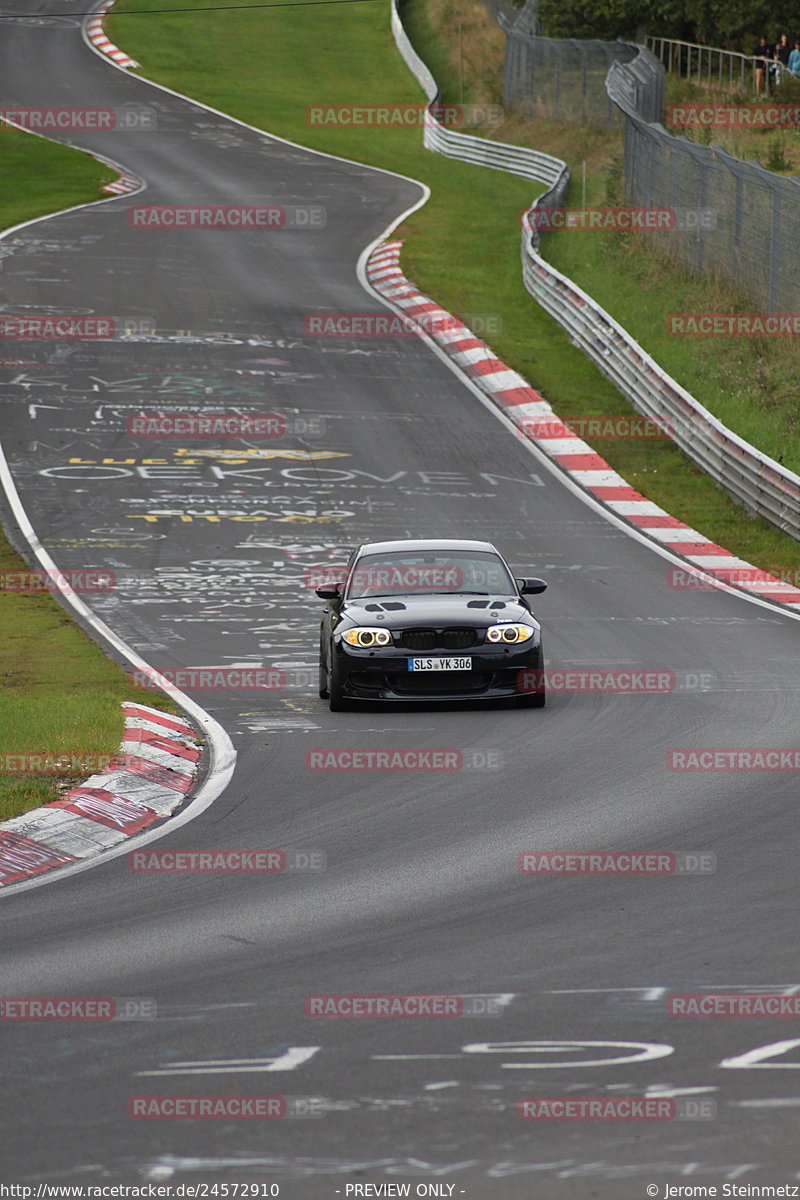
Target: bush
<point>776,156</point>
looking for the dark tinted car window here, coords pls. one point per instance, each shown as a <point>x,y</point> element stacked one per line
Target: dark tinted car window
<point>430,572</point>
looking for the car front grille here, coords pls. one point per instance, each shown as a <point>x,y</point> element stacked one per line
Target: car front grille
<point>440,683</point>
<point>458,639</point>
<point>438,639</point>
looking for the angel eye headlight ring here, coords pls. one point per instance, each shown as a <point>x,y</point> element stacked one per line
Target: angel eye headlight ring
<point>509,634</point>
<point>366,638</point>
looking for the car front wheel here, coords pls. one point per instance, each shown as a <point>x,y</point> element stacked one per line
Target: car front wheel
<point>336,702</point>
<point>323,676</point>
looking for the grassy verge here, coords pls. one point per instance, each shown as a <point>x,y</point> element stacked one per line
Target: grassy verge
<point>777,149</point>
<point>39,177</point>
<point>59,694</point>
<point>268,66</point>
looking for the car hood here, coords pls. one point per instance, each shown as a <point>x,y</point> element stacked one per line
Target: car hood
<point>406,612</point>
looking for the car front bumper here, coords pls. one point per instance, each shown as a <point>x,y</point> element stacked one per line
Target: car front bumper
<point>383,674</point>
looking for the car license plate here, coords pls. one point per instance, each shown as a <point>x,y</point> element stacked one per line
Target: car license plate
<point>440,664</point>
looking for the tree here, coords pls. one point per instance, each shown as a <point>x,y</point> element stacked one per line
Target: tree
<point>731,24</point>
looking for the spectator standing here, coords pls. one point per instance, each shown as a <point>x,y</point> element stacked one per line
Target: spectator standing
<point>762,54</point>
<point>794,59</point>
<point>783,50</point>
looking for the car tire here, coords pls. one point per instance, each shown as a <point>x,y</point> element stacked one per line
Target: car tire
<point>323,676</point>
<point>336,701</point>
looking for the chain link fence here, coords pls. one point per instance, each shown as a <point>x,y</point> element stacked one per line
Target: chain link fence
<point>735,220</point>
<point>561,79</point>
<point>508,14</point>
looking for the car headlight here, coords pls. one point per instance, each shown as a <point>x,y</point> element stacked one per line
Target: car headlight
<point>363,636</point>
<point>509,634</point>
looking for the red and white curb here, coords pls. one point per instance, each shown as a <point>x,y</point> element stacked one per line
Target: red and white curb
<point>97,36</point>
<point>125,183</point>
<point>527,409</point>
<point>159,760</point>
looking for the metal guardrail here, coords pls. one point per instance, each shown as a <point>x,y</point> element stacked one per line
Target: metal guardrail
<point>755,480</point>
<point>710,67</point>
<point>518,160</point>
<point>752,478</point>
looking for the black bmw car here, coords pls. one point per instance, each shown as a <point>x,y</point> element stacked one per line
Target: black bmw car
<point>430,620</point>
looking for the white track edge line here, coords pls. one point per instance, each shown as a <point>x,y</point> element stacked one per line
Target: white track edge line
<point>101,158</point>
<point>223,755</point>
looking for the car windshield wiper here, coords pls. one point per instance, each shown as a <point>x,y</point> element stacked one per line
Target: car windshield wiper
<point>426,594</point>
<point>398,595</point>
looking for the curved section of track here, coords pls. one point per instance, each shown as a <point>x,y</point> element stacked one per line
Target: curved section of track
<point>421,892</point>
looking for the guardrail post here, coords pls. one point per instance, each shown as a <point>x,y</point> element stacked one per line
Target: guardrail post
<point>738,215</point>
<point>775,252</point>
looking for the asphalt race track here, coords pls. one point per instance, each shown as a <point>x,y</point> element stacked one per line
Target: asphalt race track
<point>420,893</point>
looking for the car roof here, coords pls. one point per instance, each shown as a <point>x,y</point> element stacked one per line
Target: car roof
<point>424,544</point>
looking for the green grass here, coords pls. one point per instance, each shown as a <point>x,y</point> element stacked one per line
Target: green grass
<point>59,693</point>
<point>39,177</point>
<point>267,66</point>
<point>750,384</point>
<point>774,148</point>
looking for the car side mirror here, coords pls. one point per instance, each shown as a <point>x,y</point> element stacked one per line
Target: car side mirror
<point>329,591</point>
<point>531,587</point>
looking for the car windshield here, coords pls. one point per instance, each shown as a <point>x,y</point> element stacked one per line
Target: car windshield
<point>430,573</point>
